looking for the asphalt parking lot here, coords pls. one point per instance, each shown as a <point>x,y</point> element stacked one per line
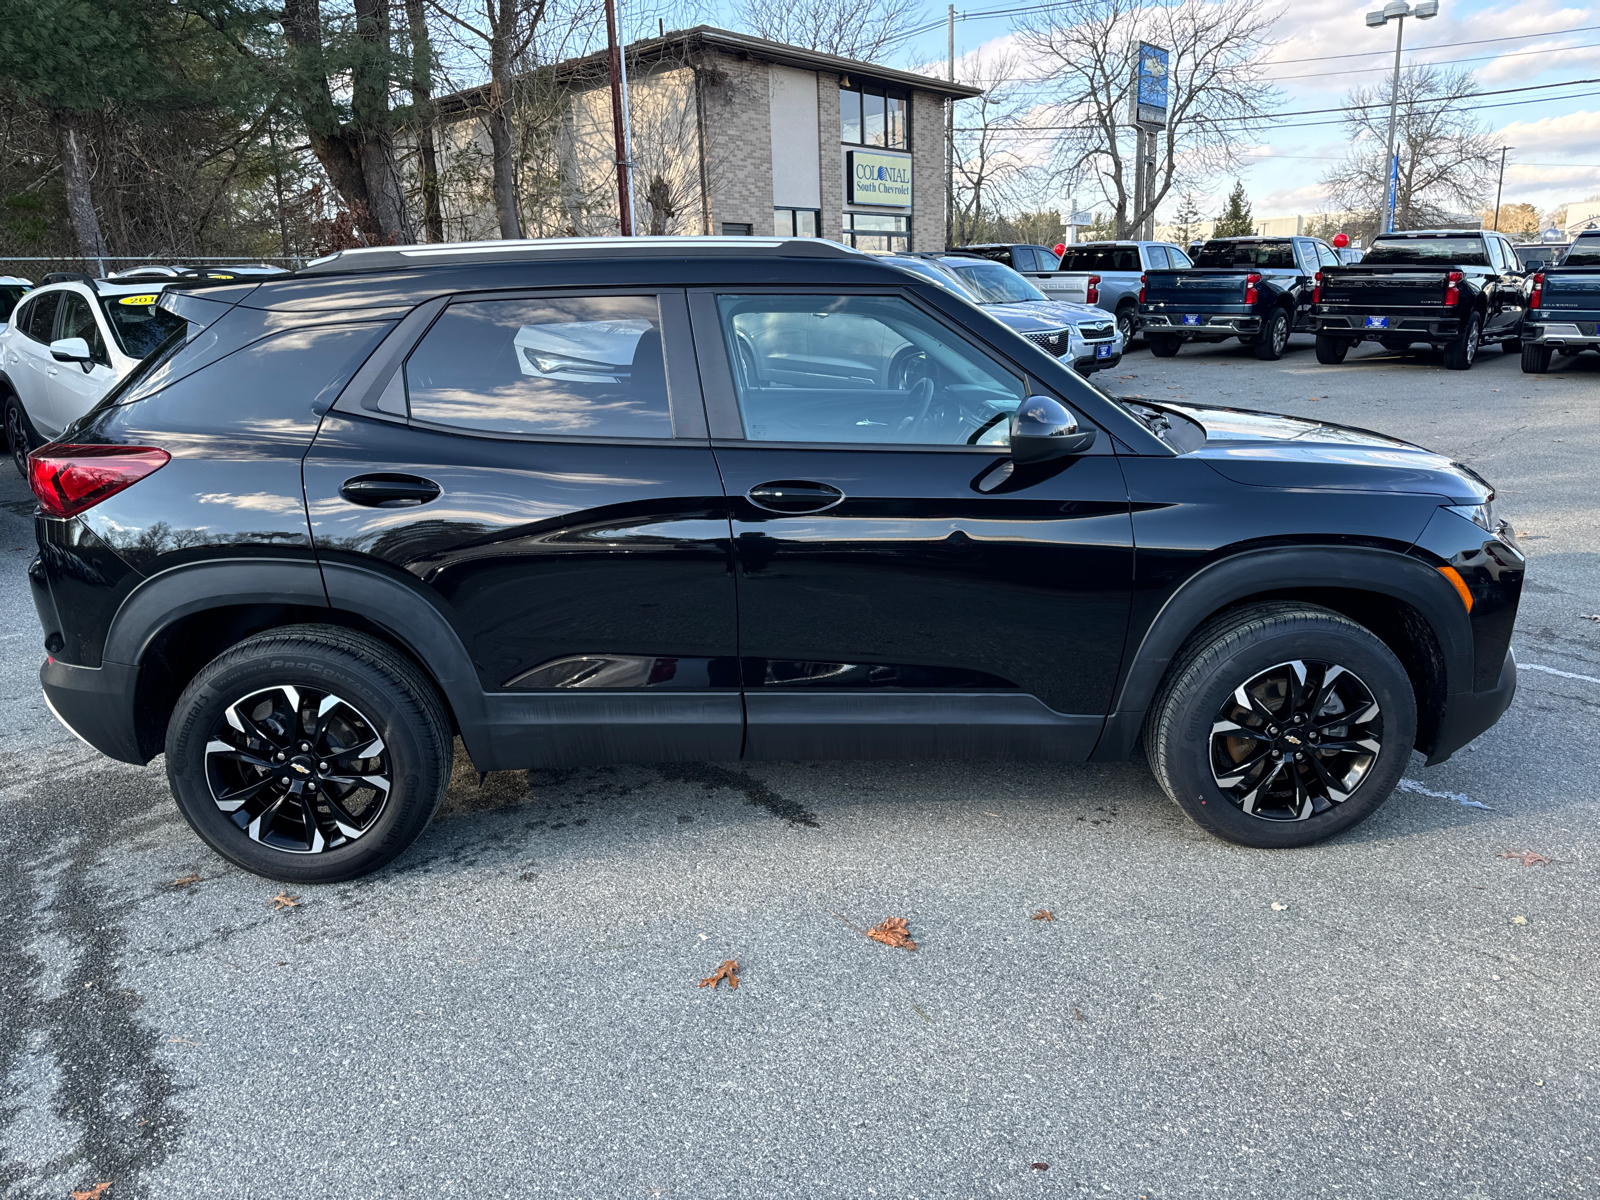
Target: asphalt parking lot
<point>511,1009</point>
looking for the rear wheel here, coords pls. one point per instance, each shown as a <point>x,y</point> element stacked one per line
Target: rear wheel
<point>1274,338</point>
<point>1460,354</point>
<point>1535,359</point>
<point>1281,724</point>
<point>1127,323</point>
<point>1162,345</point>
<point>1331,350</point>
<point>309,754</point>
<point>19,433</point>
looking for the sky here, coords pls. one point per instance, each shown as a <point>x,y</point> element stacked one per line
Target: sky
<point>1323,49</point>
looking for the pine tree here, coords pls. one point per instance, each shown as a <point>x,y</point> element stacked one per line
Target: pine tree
<point>1186,221</point>
<point>1235,220</point>
<point>1100,229</point>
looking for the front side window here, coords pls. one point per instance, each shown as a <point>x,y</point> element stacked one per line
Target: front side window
<point>1180,260</point>
<point>862,369</point>
<point>137,324</point>
<point>574,366</point>
<point>870,115</point>
<point>1157,256</point>
<point>1326,257</point>
<point>77,321</point>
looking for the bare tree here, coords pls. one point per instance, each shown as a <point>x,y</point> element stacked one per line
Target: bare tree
<point>1447,161</point>
<point>1217,95</point>
<point>856,29</point>
<point>998,167</point>
<point>423,116</point>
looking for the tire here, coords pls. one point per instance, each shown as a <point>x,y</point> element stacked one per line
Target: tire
<point>1331,350</point>
<point>1258,647</point>
<point>1460,354</point>
<point>1535,359</point>
<point>1274,338</point>
<point>1127,323</point>
<point>21,436</point>
<point>1162,345</point>
<point>367,696</point>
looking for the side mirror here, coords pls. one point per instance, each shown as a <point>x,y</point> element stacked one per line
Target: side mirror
<point>70,350</point>
<point>1044,428</point>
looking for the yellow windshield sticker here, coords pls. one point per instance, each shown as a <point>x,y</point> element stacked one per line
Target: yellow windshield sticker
<point>138,301</point>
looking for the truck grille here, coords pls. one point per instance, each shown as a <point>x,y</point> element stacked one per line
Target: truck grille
<point>1053,340</point>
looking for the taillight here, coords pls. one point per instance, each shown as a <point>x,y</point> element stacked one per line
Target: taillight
<point>1538,290</point>
<point>1316,292</point>
<point>1250,293</point>
<point>1142,279</point>
<point>1452,288</point>
<point>70,479</point>
<point>1092,295</point>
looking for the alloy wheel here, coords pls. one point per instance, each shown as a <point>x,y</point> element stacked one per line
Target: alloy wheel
<point>297,769</point>
<point>1280,335</point>
<point>1295,740</point>
<point>17,438</point>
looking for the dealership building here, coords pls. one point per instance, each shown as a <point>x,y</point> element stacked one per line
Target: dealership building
<point>730,135</point>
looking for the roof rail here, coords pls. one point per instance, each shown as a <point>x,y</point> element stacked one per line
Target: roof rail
<point>70,277</point>
<point>391,258</point>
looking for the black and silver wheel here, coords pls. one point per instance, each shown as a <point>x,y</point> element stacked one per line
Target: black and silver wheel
<point>1127,324</point>
<point>1460,354</point>
<point>19,431</point>
<point>1281,724</point>
<point>1274,339</point>
<point>309,754</point>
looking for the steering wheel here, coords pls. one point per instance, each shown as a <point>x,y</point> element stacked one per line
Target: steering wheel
<point>921,399</point>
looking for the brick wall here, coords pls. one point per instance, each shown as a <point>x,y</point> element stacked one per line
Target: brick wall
<point>828,146</point>
<point>927,171</point>
<point>739,143</point>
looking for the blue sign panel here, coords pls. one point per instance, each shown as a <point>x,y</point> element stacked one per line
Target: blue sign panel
<point>1152,75</point>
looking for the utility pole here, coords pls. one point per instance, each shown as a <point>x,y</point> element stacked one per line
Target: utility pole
<point>619,133</point>
<point>1498,184</point>
<point>950,140</point>
<point>1397,11</point>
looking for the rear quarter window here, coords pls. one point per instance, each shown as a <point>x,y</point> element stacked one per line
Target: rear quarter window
<point>137,324</point>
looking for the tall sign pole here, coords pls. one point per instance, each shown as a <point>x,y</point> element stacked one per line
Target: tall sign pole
<point>1149,118</point>
<point>618,132</point>
<point>1394,104</point>
<point>950,140</point>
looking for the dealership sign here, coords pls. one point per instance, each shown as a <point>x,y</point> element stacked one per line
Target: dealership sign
<point>880,178</point>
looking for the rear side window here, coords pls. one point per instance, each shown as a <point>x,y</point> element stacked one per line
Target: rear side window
<point>1585,252</point>
<point>573,366</point>
<point>1048,261</point>
<point>42,317</point>
<point>1023,258</point>
<point>1158,257</point>
<point>137,324</point>
<point>1100,258</point>
<point>1451,251</point>
<point>77,321</point>
<point>1246,254</point>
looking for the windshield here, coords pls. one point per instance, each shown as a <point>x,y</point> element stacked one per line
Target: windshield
<point>934,273</point>
<point>138,324</point>
<point>1465,251</point>
<point>10,293</point>
<point>995,283</point>
<point>1245,254</point>
<point>1585,252</point>
<point>1100,258</point>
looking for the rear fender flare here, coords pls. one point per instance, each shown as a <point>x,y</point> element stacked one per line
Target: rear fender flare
<point>1269,570</point>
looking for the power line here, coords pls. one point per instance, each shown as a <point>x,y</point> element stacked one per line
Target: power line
<point>1518,37</point>
<point>1438,62</point>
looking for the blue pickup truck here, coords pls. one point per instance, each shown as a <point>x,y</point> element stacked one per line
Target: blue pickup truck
<point>1563,308</point>
<point>1257,289</point>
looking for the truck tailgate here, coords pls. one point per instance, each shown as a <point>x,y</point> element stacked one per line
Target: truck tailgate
<point>1383,288</point>
<point>1570,293</point>
<point>1195,288</point>
<point>1071,286</point>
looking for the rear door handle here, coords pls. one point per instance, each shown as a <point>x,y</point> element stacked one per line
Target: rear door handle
<point>389,491</point>
<point>794,496</point>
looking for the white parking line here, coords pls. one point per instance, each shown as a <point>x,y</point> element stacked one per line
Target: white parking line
<point>1522,666</point>
<point>1408,785</point>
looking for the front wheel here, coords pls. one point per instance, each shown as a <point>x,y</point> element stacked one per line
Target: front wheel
<point>1535,359</point>
<point>1331,350</point>
<point>1163,345</point>
<point>1281,724</point>
<point>309,754</point>
<point>1460,354</point>
<point>1274,338</point>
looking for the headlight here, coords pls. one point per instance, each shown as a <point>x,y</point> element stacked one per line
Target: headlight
<point>1481,515</point>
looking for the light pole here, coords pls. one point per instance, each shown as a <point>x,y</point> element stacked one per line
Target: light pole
<point>1498,184</point>
<point>1396,11</point>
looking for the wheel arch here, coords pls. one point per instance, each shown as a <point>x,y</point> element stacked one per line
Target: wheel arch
<point>1403,602</point>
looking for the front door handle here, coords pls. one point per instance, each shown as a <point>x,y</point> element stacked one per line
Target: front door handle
<point>389,491</point>
<point>794,496</point>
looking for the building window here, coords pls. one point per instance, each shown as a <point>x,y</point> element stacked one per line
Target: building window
<point>870,115</point>
<point>877,231</point>
<point>796,222</point>
<point>738,229</point>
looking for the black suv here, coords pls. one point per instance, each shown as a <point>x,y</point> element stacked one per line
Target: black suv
<point>607,501</point>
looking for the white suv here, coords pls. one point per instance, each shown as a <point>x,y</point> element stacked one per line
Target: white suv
<point>66,345</point>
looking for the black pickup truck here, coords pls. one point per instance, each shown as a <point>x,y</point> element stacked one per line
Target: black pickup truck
<point>1451,288</point>
<point>1257,289</point>
<point>1563,313</point>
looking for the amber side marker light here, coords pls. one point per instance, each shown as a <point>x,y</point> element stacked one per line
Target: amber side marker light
<point>1460,585</point>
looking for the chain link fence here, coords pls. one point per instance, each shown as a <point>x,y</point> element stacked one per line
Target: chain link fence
<point>35,269</point>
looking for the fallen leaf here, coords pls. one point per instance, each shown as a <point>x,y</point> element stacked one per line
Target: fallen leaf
<point>1044,914</point>
<point>283,900</point>
<point>923,1015</point>
<point>892,932</point>
<point>185,881</point>
<point>93,1193</point>
<point>1527,858</point>
<point>1276,907</point>
<point>1040,1166</point>
<point>1313,399</point>
<point>725,971</point>
<point>1078,1014</point>
<point>1519,920</point>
